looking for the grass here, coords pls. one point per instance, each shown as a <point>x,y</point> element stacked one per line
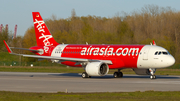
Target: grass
<point>5,56</point>
<point>168,72</point>
<point>125,96</point>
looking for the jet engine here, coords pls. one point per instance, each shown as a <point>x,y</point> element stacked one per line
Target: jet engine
<point>97,69</point>
<point>142,71</point>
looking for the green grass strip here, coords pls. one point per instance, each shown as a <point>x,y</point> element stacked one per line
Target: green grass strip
<point>123,96</point>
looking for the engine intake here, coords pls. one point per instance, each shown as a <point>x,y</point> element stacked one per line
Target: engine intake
<point>97,69</point>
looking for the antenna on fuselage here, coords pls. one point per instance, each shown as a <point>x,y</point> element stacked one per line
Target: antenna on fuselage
<point>86,43</point>
<point>154,43</point>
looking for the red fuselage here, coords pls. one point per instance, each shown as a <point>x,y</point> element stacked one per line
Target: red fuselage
<point>122,56</point>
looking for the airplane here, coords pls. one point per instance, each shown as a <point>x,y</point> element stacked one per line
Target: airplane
<point>97,59</point>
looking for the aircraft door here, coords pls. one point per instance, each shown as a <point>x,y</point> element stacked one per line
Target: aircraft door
<point>145,53</point>
<point>51,49</point>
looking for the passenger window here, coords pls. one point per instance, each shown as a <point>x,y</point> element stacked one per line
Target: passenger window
<point>156,53</point>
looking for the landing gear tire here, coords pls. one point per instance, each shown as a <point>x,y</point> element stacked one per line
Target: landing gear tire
<point>152,77</point>
<point>84,75</point>
<point>115,74</point>
<point>118,74</point>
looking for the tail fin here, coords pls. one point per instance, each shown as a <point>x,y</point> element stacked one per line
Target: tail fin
<point>43,36</point>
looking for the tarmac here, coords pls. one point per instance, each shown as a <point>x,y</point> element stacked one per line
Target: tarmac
<point>74,83</point>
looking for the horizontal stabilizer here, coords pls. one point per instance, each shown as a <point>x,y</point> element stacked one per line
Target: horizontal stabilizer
<point>10,51</point>
<point>25,49</point>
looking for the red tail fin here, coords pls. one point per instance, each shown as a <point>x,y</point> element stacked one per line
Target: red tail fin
<point>43,36</point>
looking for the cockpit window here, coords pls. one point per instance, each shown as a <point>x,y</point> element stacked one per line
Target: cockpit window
<point>165,53</point>
<point>156,53</point>
<point>161,53</point>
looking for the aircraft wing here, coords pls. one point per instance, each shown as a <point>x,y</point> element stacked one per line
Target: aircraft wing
<point>67,59</point>
<point>77,60</point>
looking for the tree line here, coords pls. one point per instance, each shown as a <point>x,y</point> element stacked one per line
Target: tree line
<point>152,22</point>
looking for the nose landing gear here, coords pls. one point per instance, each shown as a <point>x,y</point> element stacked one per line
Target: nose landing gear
<point>153,77</point>
<point>152,73</point>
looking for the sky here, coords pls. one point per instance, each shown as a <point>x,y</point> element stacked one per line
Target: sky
<point>19,12</point>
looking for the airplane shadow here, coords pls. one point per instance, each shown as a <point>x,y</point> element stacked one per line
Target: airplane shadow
<point>157,76</point>
<point>67,74</point>
<point>111,76</point>
<point>79,75</point>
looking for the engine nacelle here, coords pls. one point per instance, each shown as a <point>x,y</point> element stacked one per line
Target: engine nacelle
<point>142,71</point>
<point>97,69</point>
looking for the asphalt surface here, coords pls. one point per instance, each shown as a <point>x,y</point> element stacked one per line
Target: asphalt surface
<point>72,82</point>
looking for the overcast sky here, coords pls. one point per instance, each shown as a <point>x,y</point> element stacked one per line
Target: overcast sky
<point>19,12</point>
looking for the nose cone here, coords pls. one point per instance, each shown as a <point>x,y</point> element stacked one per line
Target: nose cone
<point>171,61</point>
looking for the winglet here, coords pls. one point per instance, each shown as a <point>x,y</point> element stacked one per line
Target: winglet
<point>9,50</point>
<point>154,43</point>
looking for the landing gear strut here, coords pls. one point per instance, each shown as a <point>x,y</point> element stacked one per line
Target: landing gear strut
<point>152,73</point>
<point>118,74</point>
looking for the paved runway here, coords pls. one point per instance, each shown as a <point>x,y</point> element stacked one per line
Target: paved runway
<point>59,82</point>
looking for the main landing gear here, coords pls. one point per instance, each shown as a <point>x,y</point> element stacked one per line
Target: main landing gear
<point>118,74</point>
<point>85,75</point>
<point>152,73</point>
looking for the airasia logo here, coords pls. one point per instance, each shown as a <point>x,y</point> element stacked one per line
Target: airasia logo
<point>39,26</point>
<point>45,38</point>
<point>109,51</point>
